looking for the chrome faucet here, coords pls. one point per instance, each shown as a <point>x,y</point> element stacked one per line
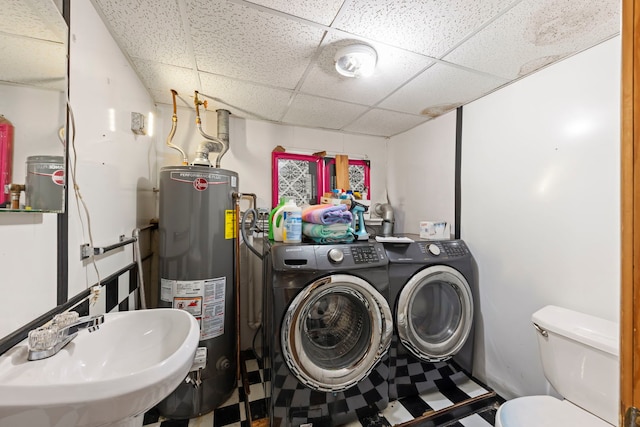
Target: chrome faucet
<point>50,339</point>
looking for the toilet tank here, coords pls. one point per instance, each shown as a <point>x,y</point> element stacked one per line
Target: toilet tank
<point>580,358</point>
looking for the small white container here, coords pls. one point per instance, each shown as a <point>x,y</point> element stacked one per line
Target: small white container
<point>291,223</point>
<point>435,230</point>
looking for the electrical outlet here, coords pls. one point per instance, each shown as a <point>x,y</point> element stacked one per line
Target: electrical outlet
<point>137,124</point>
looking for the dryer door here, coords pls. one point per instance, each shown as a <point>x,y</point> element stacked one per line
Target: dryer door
<point>335,331</point>
<point>435,313</point>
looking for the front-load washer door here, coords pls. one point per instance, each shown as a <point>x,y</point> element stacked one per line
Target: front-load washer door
<point>434,313</point>
<point>335,331</point>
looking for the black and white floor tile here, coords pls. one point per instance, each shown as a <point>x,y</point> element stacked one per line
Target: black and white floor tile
<point>231,413</point>
<point>461,402</point>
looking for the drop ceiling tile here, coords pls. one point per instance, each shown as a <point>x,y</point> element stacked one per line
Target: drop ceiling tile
<point>394,67</point>
<point>312,10</point>
<point>33,62</point>
<point>385,123</point>
<point>244,43</point>
<point>323,113</point>
<point>30,18</point>
<point>148,30</point>
<point>439,89</point>
<point>163,78</point>
<point>536,33</point>
<point>427,27</point>
<point>246,99</point>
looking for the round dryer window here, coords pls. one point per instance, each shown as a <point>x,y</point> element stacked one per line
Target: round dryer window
<point>335,331</point>
<point>434,314</point>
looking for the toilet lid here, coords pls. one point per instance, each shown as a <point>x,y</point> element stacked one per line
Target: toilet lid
<point>536,411</point>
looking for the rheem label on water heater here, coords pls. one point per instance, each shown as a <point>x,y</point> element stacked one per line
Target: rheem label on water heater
<point>204,299</point>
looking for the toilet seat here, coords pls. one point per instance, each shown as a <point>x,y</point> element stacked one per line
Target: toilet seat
<point>536,411</point>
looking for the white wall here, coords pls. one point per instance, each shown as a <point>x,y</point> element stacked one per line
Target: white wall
<point>421,174</point>
<point>541,207</point>
<point>116,169</point>
<point>28,251</point>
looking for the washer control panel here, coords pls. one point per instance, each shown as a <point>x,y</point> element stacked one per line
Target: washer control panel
<point>328,257</point>
<point>335,255</point>
<point>420,251</point>
<point>352,255</point>
<point>365,254</point>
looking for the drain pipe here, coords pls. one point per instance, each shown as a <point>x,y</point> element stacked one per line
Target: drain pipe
<point>255,313</point>
<point>386,212</point>
<point>172,132</point>
<point>138,258</point>
<point>240,229</point>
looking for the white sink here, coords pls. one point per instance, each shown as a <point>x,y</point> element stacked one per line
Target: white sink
<point>107,377</point>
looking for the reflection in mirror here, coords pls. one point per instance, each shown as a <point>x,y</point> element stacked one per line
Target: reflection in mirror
<point>33,92</point>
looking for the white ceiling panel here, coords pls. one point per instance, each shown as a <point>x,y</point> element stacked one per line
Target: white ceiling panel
<point>322,12</point>
<point>148,30</point>
<point>33,62</point>
<point>38,19</point>
<point>440,89</point>
<point>183,100</point>
<point>394,67</point>
<point>248,44</point>
<point>323,113</point>
<point>247,99</point>
<point>166,77</point>
<point>536,33</point>
<point>428,27</point>
<point>384,123</point>
<point>274,59</point>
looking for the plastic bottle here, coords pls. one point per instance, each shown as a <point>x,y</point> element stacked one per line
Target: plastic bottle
<point>292,223</point>
<point>272,214</point>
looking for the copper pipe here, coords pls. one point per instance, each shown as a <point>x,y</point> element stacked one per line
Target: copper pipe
<point>237,197</point>
<point>172,132</point>
<point>15,190</point>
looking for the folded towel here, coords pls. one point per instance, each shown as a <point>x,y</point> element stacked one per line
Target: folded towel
<point>332,230</point>
<point>327,214</point>
<point>326,240</point>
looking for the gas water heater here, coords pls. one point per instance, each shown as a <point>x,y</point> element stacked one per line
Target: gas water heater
<point>197,274</point>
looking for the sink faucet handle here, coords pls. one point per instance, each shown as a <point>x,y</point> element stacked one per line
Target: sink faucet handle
<point>43,338</point>
<point>63,320</point>
<point>96,321</point>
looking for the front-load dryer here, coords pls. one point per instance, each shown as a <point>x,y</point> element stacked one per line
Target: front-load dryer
<point>432,288</point>
<point>327,331</point>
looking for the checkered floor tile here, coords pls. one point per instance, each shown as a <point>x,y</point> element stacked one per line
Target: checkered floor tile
<point>231,413</point>
<point>461,402</point>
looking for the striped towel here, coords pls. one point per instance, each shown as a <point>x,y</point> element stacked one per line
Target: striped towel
<point>327,240</point>
<point>327,214</point>
<point>333,230</point>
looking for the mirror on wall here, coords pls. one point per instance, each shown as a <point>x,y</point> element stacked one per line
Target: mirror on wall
<point>33,93</point>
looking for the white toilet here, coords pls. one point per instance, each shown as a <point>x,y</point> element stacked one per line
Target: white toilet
<point>580,358</point>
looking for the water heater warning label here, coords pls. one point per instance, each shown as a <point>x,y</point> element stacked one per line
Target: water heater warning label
<point>230,224</point>
<point>204,299</point>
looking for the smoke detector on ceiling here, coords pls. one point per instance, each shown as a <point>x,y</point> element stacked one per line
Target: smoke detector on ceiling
<point>357,60</point>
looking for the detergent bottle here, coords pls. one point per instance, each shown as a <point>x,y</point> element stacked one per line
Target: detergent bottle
<point>283,200</point>
<point>275,220</point>
<point>292,223</point>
